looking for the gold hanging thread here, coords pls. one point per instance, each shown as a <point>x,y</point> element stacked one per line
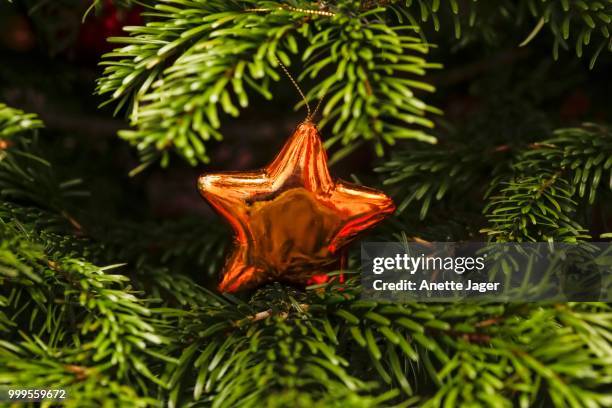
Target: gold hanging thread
<point>299,10</point>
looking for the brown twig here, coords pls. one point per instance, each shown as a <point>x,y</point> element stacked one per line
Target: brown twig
<point>489,322</point>
<point>81,373</point>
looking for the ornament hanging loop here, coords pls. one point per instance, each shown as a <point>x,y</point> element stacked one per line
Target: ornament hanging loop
<point>319,104</point>
<point>297,86</point>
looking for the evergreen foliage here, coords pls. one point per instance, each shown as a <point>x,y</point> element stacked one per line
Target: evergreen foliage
<point>159,71</point>
<point>120,313</point>
<point>548,180</point>
<point>358,52</point>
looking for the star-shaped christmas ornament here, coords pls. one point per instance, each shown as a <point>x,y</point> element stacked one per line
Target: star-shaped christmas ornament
<point>290,219</point>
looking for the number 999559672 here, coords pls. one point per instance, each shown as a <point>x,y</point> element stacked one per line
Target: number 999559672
<point>32,394</point>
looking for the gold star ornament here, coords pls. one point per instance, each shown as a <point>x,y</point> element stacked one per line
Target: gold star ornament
<point>290,219</point>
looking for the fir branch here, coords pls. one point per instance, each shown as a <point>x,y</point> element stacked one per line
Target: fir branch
<point>14,123</point>
<point>584,154</point>
<point>579,21</point>
<point>71,295</point>
<point>507,354</point>
<point>450,178</point>
<point>45,367</point>
<point>539,201</point>
<point>573,23</point>
<point>37,201</point>
<point>536,208</point>
<point>438,11</point>
<point>159,73</point>
<point>430,174</point>
<point>250,352</point>
<point>25,177</point>
<point>365,67</point>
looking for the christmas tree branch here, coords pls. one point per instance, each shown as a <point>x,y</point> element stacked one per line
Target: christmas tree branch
<point>539,201</point>
<point>572,23</point>
<point>507,353</point>
<point>158,73</point>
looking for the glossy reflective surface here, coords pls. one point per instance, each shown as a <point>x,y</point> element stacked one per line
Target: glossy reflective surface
<point>291,218</point>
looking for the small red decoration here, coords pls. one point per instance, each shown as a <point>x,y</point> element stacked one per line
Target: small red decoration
<point>108,23</point>
<point>291,218</point>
